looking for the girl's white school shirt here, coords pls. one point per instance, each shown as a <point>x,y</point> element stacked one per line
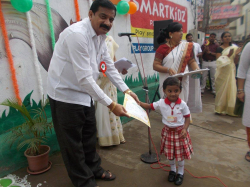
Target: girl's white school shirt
<point>173,113</point>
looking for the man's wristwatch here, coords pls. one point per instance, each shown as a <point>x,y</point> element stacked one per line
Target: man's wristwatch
<point>128,92</point>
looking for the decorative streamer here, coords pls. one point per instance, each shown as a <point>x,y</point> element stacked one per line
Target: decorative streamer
<point>52,33</point>
<point>77,10</point>
<point>9,56</point>
<point>36,62</point>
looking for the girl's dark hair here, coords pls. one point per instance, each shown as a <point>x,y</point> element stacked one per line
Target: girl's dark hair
<point>102,3</point>
<point>172,81</point>
<point>223,34</point>
<point>164,33</point>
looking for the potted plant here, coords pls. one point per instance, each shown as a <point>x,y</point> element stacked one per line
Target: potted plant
<point>31,134</point>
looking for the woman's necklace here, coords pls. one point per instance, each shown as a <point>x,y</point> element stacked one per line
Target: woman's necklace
<point>172,51</point>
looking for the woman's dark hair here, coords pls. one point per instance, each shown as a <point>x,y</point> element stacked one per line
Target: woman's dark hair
<point>164,33</point>
<point>172,81</point>
<point>223,34</point>
<point>102,3</point>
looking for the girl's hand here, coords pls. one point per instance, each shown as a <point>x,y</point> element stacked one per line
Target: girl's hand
<point>171,71</point>
<point>241,96</point>
<point>183,133</point>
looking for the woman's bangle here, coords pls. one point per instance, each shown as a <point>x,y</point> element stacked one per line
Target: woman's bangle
<point>240,90</point>
<point>113,107</point>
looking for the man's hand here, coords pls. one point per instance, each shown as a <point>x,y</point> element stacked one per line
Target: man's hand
<point>119,110</point>
<point>132,94</point>
<point>183,133</point>
<point>124,72</point>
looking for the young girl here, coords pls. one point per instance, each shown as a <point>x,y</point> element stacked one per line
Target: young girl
<point>175,141</point>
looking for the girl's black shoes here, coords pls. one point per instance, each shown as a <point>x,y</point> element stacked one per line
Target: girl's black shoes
<point>178,179</point>
<point>171,176</point>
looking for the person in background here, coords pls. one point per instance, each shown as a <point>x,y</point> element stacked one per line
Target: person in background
<point>79,55</point>
<point>109,126</point>
<point>175,140</point>
<point>243,91</point>
<point>225,83</point>
<point>209,61</point>
<point>197,48</point>
<point>195,107</point>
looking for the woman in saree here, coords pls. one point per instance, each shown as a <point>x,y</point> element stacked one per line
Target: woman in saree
<point>109,126</point>
<point>225,82</point>
<point>174,56</point>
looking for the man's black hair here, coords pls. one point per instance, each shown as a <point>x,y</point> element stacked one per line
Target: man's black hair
<point>189,34</point>
<point>172,81</point>
<point>213,34</point>
<point>102,3</point>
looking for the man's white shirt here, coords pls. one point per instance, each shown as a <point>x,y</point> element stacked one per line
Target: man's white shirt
<point>74,67</point>
<point>197,50</point>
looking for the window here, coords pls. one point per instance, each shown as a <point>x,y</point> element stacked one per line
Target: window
<point>241,20</point>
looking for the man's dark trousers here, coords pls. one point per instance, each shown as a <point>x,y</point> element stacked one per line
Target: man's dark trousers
<point>75,128</point>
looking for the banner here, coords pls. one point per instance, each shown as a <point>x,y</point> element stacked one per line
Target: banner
<point>148,11</point>
<point>143,47</point>
<point>222,12</point>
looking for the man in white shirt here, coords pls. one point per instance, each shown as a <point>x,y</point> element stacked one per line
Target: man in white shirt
<point>74,68</point>
<point>194,84</point>
<point>197,48</point>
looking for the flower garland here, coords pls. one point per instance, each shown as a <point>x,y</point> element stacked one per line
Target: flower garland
<point>52,33</point>
<point>9,56</point>
<point>35,58</point>
<point>78,17</point>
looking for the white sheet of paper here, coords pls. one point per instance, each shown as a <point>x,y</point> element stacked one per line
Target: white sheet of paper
<point>135,110</point>
<point>123,63</point>
<point>190,73</point>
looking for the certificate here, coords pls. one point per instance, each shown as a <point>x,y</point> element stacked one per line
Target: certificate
<point>190,73</point>
<point>135,110</point>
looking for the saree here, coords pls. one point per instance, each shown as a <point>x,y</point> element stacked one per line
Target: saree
<point>109,126</point>
<point>176,60</point>
<point>225,83</point>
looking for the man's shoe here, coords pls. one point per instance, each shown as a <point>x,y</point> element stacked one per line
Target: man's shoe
<point>179,179</point>
<point>171,176</point>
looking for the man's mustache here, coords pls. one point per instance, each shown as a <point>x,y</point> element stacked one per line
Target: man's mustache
<point>105,26</point>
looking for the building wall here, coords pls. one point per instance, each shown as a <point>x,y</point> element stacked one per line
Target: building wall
<point>241,30</point>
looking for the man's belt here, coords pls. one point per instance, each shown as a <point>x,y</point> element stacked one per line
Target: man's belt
<point>209,60</point>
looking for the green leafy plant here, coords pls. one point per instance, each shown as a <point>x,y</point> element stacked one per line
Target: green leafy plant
<point>33,132</point>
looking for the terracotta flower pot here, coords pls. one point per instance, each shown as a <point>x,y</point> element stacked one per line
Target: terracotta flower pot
<point>40,163</point>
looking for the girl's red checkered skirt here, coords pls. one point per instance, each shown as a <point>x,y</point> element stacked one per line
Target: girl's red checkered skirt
<point>173,146</point>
